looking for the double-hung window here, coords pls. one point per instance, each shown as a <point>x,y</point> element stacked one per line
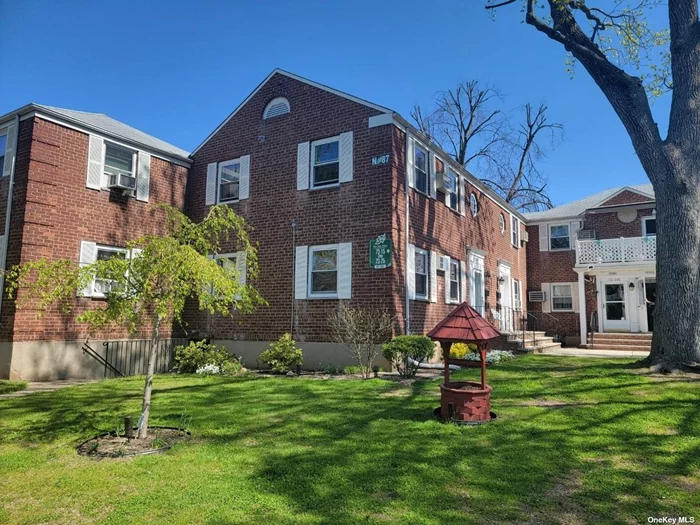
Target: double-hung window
<point>3,147</point>
<point>453,190</point>
<point>649,226</point>
<point>562,298</point>
<point>421,277</point>
<point>517,297</point>
<point>514,231</point>
<point>120,166</point>
<point>101,287</point>
<point>325,162</point>
<point>559,237</point>
<point>454,281</point>
<point>421,169</point>
<point>323,271</point>
<point>229,180</point>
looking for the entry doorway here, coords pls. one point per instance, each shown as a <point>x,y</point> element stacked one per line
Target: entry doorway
<point>650,295</point>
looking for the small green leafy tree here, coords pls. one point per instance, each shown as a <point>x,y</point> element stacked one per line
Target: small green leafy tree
<point>282,354</point>
<point>149,288</point>
<point>407,352</point>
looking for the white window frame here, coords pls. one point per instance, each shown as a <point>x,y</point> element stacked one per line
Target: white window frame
<point>219,169</point>
<point>417,146</point>
<point>449,193</point>
<point>104,248</point>
<point>517,295</point>
<point>134,161</point>
<point>477,264</point>
<point>449,281</point>
<point>568,236</point>
<point>3,150</point>
<point>426,255</point>
<point>553,308</point>
<point>515,231</point>
<point>310,294</point>
<point>644,225</point>
<point>312,163</point>
<point>502,223</point>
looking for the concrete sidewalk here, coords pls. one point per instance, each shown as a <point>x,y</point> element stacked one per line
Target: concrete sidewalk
<point>582,352</point>
<point>46,386</point>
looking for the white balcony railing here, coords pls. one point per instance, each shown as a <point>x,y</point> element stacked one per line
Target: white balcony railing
<point>616,251</point>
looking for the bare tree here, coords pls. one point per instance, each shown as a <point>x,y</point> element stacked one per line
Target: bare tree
<point>513,172</point>
<point>363,331</point>
<point>466,123</point>
<point>628,59</point>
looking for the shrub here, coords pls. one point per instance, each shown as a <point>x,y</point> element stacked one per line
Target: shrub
<point>492,356</point>
<point>460,350</point>
<point>407,352</point>
<point>282,355</point>
<point>203,358</point>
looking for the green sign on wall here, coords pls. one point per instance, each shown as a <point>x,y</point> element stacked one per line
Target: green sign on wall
<point>380,252</point>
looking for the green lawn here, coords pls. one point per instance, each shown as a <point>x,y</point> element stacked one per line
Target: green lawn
<point>576,441</point>
<point>11,386</point>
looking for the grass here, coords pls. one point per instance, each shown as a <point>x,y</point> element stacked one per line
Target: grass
<point>7,387</point>
<point>576,441</point>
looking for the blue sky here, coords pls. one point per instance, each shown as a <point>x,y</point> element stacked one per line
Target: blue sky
<point>176,69</point>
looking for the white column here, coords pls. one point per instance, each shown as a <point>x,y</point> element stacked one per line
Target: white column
<point>582,307</point>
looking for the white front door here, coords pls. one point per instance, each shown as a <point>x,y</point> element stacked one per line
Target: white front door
<point>615,305</point>
<point>506,295</point>
<point>477,289</point>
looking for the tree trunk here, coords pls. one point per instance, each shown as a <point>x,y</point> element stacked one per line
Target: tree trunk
<point>676,338</point>
<point>146,409</point>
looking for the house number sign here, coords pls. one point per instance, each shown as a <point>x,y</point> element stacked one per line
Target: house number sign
<point>380,252</point>
<point>380,160</point>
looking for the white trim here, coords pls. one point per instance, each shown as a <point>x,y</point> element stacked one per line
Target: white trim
<point>502,227</point>
<point>426,254</point>
<point>449,281</point>
<point>426,150</point>
<point>312,163</point>
<point>549,237</point>
<point>514,231</point>
<point>105,248</point>
<point>381,120</point>
<point>219,167</point>
<point>121,141</point>
<point>322,295</point>
<point>583,328</point>
<point>618,192</point>
<point>275,101</point>
<point>300,79</point>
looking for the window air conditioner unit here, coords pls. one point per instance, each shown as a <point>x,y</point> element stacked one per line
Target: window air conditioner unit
<point>442,181</point>
<point>524,237</point>
<point>584,235</point>
<point>536,296</point>
<point>444,264</point>
<point>121,181</point>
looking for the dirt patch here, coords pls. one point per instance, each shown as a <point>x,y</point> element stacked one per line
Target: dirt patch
<point>118,446</point>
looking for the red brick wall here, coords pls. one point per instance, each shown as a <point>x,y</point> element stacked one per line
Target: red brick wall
<point>435,227</point>
<point>354,212</point>
<point>626,197</point>
<point>54,212</point>
<point>608,226</point>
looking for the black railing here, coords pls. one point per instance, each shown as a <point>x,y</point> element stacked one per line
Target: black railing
<point>592,324</point>
<point>509,321</point>
<point>130,357</point>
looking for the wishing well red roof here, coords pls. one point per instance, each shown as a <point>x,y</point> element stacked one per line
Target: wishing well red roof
<point>463,324</point>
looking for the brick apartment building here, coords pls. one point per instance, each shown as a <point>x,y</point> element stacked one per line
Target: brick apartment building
<point>316,172</point>
<point>591,274</point>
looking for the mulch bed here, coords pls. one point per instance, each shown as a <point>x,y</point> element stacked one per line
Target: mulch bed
<point>111,445</point>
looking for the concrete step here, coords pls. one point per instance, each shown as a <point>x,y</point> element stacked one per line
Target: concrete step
<point>542,349</point>
<point>532,342</point>
<point>630,348</point>
<point>604,343</point>
<point>630,336</point>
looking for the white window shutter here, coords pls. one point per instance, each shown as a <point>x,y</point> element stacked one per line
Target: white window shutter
<point>143,178</point>
<point>547,304</point>
<point>303,159</point>
<point>95,168</point>
<point>462,281</point>
<point>300,272</point>
<point>210,197</point>
<point>346,157</point>
<point>462,196</point>
<point>345,270</point>
<point>574,296</point>
<point>433,277</point>
<point>447,280</point>
<point>411,270</point>
<point>432,168</point>
<point>573,233</point>
<point>241,267</point>
<point>244,182</point>
<point>410,163</point>
<point>544,238</point>
<point>88,253</point>
<point>3,250</point>
<point>10,149</point>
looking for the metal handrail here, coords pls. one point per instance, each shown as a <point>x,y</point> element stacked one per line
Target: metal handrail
<point>593,323</point>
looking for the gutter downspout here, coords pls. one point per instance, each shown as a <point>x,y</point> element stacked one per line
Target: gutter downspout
<point>8,214</point>
<point>407,307</point>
